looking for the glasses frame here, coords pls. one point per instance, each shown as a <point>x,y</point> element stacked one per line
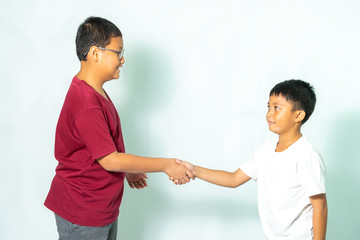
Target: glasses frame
<point>119,53</point>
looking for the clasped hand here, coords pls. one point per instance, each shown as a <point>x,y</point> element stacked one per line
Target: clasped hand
<point>180,172</point>
<point>189,173</point>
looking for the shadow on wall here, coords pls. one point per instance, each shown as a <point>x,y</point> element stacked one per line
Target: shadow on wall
<point>150,80</point>
<point>150,88</point>
<point>343,178</point>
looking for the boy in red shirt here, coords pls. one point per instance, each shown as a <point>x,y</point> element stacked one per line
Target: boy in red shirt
<point>87,189</point>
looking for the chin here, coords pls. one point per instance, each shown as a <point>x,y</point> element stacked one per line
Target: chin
<point>273,130</point>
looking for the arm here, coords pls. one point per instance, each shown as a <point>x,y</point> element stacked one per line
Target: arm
<point>319,216</point>
<point>218,177</point>
<point>123,162</point>
<point>222,178</point>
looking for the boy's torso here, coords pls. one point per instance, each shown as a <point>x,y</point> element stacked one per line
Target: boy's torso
<point>283,197</point>
<point>83,192</point>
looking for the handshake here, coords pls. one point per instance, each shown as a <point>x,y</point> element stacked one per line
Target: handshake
<point>181,172</point>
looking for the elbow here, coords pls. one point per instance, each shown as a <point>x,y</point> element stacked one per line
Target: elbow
<point>106,166</point>
<point>111,163</point>
<point>109,168</point>
<point>235,185</point>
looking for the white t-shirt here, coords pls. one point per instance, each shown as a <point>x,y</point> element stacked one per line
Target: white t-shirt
<point>286,180</point>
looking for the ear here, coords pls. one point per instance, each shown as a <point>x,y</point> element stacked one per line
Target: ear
<point>93,54</point>
<point>300,115</point>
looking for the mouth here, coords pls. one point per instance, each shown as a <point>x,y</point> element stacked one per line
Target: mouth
<point>270,122</point>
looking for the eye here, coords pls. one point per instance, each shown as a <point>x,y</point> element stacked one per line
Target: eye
<point>277,108</point>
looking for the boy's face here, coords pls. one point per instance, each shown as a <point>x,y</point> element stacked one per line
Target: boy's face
<point>110,62</point>
<point>280,115</point>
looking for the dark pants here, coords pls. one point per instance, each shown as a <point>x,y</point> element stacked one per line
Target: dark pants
<point>70,231</point>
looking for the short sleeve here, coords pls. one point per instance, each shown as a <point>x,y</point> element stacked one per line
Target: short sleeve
<point>311,173</point>
<point>250,168</point>
<point>94,132</point>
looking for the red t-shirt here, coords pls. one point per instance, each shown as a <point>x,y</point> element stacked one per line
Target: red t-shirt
<point>88,128</point>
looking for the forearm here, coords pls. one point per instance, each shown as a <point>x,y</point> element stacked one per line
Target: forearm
<point>320,213</point>
<point>221,178</point>
<point>124,162</point>
<point>319,224</point>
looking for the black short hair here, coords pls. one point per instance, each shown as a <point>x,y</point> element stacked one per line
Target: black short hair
<point>299,93</point>
<point>94,31</point>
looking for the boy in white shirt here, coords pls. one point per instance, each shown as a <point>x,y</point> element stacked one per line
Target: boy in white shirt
<point>289,171</point>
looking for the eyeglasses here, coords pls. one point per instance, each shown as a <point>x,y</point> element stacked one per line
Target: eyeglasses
<point>119,53</point>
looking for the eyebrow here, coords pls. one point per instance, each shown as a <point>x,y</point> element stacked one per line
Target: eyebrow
<point>275,103</point>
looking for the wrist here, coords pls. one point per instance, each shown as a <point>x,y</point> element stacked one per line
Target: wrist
<point>167,165</point>
<point>196,171</point>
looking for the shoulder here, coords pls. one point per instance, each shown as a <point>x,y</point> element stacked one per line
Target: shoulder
<point>304,147</point>
<point>81,97</point>
<point>308,154</point>
<point>265,150</point>
<point>80,101</point>
<point>268,146</point>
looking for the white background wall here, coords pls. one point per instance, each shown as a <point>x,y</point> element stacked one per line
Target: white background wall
<point>194,86</point>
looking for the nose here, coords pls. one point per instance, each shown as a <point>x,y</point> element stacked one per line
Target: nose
<point>122,60</point>
<point>269,114</point>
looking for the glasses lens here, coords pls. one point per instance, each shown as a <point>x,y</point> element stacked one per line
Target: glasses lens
<point>121,54</point>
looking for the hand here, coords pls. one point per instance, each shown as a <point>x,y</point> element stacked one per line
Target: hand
<point>189,166</point>
<point>136,180</point>
<point>178,172</point>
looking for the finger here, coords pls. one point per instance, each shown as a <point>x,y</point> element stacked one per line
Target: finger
<point>178,161</point>
<point>171,178</point>
<point>144,182</point>
<point>140,184</point>
<point>186,178</point>
<point>131,184</point>
<point>190,174</point>
<point>145,176</point>
<point>136,185</point>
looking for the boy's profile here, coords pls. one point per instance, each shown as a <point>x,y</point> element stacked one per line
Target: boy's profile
<point>289,171</point>
<point>87,189</point>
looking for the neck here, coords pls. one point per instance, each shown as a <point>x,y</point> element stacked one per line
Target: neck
<point>90,77</point>
<point>286,140</point>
